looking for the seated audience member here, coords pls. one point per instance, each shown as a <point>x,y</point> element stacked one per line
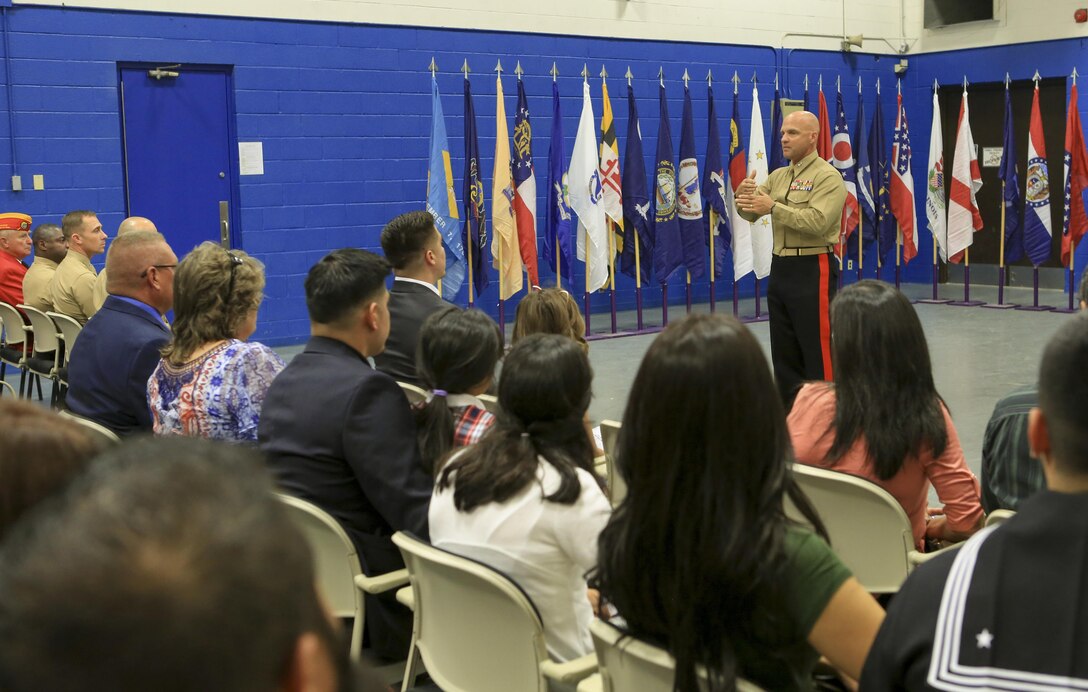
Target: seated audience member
<point>458,352</point>
<point>700,557</point>
<point>72,289</point>
<point>211,382</point>
<point>1007,610</point>
<point>341,435</point>
<point>50,247</point>
<point>882,418</point>
<point>15,247</point>
<point>119,348</point>
<point>413,246</point>
<point>524,499</point>
<point>168,566</point>
<point>549,311</point>
<point>132,223</point>
<point>1009,474</point>
<point>40,452</point>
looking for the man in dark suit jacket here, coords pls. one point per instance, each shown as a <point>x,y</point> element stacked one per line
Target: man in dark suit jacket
<point>117,351</point>
<point>414,247</point>
<point>340,434</point>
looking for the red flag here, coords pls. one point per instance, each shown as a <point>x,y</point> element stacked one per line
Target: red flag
<point>525,187</point>
<point>1076,179</point>
<point>963,216</point>
<point>823,142</point>
<point>902,183</point>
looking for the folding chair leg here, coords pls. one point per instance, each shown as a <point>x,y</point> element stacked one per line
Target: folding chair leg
<point>411,670</point>
<point>53,394</point>
<point>38,379</point>
<point>3,372</point>
<point>22,384</point>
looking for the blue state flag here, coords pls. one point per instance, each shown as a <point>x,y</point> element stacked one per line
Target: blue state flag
<point>668,248</point>
<point>1014,230</point>
<point>714,189</point>
<point>636,197</point>
<point>557,234</point>
<point>775,158</point>
<point>866,198</point>
<point>1033,238</point>
<point>441,200</point>
<point>475,236</point>
<point>878,160</point>
<point>689,199</point>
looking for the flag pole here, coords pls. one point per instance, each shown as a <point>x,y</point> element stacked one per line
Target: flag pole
<point>842,228</point>
<point>713,215</point>
<point>585,79</point>
<point>558,250</point>
<point>502,302</point>
<point>759,312</point>
<point>634,238</point>
<point>611,232</point>
<point>898,252</point>
<point>433,68</point>
<point>861,217</point>
<point>736,298</point>
<point>468,252</point>
<point>665,282</point>
<point>1001,304</point>
<point>686,77</point>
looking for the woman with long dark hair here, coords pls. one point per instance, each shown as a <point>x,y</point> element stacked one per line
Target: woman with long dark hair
<point>882,418</point>
<point>455,362</point>
<point>524,498</point>
<point>699,557</point>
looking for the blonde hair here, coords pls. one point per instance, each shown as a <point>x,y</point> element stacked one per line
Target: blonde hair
<point>207,306</point>
<point>550,311</point>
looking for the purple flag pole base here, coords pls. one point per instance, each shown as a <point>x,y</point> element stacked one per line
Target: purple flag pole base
<point>1000,304</point>
<point>585,302</point>
<point>638,306</point>
<point>664,304</point>
<point>1035,307</point>
<point>861,275</point>
<point>736,305</point>
<point>1070,308</point>
<point>712,296</point>
<point>898,279</point>
<point>688,293</point>
<point>619,335</point>
<point>966,302</point>
<point>935,300</point>
<point>759,316</point>
<point>613,310</point>
<point>502,315</point>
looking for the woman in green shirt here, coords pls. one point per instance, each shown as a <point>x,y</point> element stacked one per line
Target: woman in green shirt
<point>700,558</point>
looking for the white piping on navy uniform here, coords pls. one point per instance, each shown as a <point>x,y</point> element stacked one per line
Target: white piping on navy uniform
<point>945,671</point>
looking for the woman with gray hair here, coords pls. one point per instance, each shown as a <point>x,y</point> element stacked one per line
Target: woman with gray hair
<point>210,382</point>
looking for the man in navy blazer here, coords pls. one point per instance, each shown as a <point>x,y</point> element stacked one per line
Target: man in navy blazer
<point>341,435</point>
<point>118,349</point>
<point>414,247</point>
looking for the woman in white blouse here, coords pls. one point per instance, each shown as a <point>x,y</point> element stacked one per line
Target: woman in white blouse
<point>524,499</point>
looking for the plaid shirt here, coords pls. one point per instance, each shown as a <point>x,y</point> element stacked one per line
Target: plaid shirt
<point>470,424</point>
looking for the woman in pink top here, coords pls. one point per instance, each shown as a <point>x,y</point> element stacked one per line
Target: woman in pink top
<point>882,418</point>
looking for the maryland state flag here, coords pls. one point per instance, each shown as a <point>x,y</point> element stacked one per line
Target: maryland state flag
<point>611,179</point>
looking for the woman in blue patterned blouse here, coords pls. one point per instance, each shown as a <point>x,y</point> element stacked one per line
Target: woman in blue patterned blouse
<point>211,382</point>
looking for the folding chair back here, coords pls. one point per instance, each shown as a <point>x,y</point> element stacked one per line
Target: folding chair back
<point>415,394</point>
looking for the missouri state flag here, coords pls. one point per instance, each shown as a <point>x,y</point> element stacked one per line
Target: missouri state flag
<point>1037,233</point>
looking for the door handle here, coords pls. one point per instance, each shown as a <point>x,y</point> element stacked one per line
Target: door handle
<point>224,224</point>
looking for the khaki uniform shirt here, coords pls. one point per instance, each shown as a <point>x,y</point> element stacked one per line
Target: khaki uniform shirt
<point>809,197</point>
<point>100,292</point>
<point>36,283</point>
<point>73,287</point>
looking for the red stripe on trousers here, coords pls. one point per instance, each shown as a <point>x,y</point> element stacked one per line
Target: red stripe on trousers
<point>825,319</point>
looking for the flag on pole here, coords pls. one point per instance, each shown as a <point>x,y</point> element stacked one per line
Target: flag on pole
<point>762,235</point>
<point>557,237</point>
<point>823,141</point>
<point>525,187</point>
<point>504,240</point>
<point>902,182</point>
<point>689,196</point>
<point>585,198</point>
<point>843,161</point>
<point>776,158</point>
<point>1037,233</point>
<point>611,178</point>
<point>936,212</point>
<point>963,216</point>
<point>1076,179</point>
<point>668,248</point>
<point>475,235</point>
<point>864,172</point>
<point>636,197</point>
<point>808,104</point>
<point>714,189</point>
<point>738,171</point>
<point>441,200</point>
<point>878,159</point>
<point>1010,183</point>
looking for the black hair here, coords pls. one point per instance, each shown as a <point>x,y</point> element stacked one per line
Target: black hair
<point>1063,391</point>
<point>341,282</point>
<point>544,393</point>
<point>458,349</point>
<point>884,389</point>
<point>694,556</point>
<point>406,237</point>
<point>169,566</point>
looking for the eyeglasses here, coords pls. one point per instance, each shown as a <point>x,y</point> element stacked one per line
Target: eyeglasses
<point>235,262</point>
<point>143,275</point>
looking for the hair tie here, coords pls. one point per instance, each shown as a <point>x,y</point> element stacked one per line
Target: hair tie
<point>439,392</point>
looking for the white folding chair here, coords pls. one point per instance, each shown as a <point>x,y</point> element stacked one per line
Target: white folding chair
<point>617,489</point>
<point>336,564</point>
<point>626,664</point>
<point>13,346</point>
<point>101,433</point>
<point>475,629</point>
<point>416,395</point>
<point>69,329</point>
<point>490,402</point>
<point>999,516</point>
<point>868,528</point>
<point>45,361</point>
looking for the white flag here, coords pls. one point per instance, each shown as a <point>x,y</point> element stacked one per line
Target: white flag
<point>963,216</point>
<point>762,236</point>
<point>935,209</point>
<point>584,180</point>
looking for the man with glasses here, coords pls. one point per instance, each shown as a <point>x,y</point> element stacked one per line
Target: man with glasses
<point>73,283</point>
<point>119,348</point>
<point>132,223</point>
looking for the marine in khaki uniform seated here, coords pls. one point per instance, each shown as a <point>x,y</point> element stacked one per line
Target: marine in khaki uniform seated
<point>132,223</point>
<point>73,284</point>
<point>50,247</point>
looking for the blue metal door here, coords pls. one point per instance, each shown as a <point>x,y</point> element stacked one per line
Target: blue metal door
<point>178,138</point>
